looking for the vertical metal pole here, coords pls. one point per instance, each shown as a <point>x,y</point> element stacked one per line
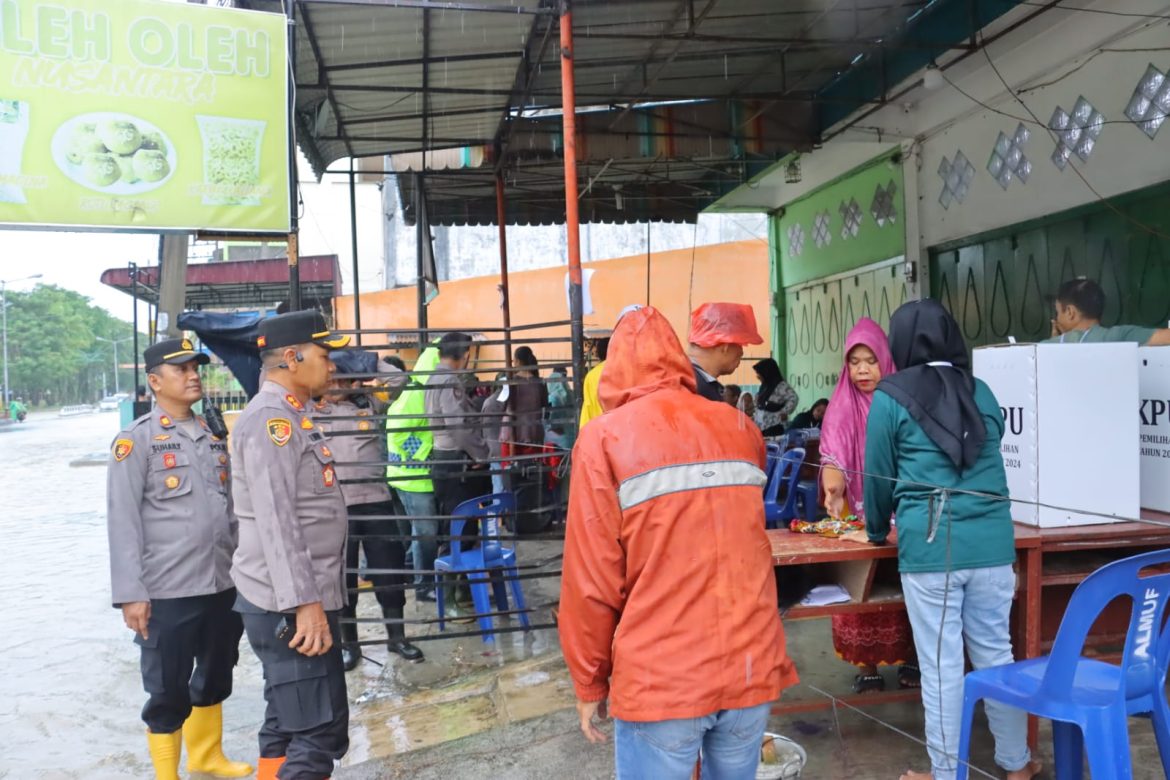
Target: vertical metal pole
<point>419,228</point>
<point>572,215</point>
<point>294,273</point>
<point>4,308</point>
<point>117,389</point>
<point>647,262</point>
<point>357,299</point>
<point>505,293</point>
<point>134,295</point>
<point>294,268</point>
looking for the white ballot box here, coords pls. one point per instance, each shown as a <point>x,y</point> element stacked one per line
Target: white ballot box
<point>1154,417</point>
<point>1068,444</point>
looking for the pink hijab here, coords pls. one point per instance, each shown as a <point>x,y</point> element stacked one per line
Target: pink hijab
<point>843,431</point>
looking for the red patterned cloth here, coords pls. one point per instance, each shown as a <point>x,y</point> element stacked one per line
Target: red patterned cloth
<point>876,639</point>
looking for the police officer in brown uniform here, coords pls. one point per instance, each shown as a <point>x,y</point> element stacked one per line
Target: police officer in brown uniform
<point>289,565</point>
<point>356,437</point>
<point>172,534</point>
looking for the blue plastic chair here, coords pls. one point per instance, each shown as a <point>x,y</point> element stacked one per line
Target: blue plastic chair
<point>785,475</point>
<point>1083,696</point>
<point>807,493</point>
<point>490,554</point>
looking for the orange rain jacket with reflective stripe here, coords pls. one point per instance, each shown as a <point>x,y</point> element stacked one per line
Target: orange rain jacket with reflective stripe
<point>668,600</point>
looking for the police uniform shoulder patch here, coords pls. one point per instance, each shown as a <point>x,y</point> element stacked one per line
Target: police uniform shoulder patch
<point>122,449</point>
<point>279,430</point>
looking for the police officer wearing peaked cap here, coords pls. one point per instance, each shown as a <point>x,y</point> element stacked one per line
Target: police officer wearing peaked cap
<point>364,488</point>
<point>289,565</point>
<point>172,534</point>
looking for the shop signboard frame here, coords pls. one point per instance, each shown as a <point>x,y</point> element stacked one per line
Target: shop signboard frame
<point>144,116</point>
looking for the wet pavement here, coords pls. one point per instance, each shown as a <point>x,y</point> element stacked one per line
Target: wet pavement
<point>70,691</point>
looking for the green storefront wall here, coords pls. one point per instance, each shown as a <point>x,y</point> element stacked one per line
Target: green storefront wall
<point>836,257</point>
<point>998,285</point>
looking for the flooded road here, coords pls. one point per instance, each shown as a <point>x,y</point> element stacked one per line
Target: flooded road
<point>70,690</point>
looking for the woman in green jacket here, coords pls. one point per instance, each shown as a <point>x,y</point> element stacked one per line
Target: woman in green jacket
<point>932,458</point>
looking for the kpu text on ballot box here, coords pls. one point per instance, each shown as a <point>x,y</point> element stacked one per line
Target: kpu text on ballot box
<point>1154,416</point>
<point>1070,441</point>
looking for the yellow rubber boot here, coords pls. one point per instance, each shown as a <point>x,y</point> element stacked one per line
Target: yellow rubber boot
<point>165,750</point>
<point>203,733</point>
<point>269,767</point>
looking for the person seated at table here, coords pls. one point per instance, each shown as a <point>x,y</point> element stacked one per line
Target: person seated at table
<point>1080,304</point>
<point>732,394</point>
<point>882,638</point>
<point>934,424</point>
<point>747,404</point>
<point>812,418</point>
<point>776,399</point>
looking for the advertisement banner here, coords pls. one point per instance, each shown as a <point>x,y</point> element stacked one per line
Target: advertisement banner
<point>142,115</point>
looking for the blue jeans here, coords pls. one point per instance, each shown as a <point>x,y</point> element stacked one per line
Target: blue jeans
<point>667,749</point>
<point>978,608</point>
<point>422,551</point>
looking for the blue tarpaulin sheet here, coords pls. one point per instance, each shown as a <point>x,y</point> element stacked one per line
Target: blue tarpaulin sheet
<point>232,337</point>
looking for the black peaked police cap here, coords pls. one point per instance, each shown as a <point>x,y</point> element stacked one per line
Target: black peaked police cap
<point>298,327</point>
<point>173,351</point>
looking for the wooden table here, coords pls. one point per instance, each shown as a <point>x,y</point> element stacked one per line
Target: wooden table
<point>1050,563</point>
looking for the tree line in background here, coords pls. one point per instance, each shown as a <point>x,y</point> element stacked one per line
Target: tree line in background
<point>56,355</point>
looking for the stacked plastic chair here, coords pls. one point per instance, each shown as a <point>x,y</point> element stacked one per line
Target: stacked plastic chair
<point>1089,701</point>
<point>478,564</point>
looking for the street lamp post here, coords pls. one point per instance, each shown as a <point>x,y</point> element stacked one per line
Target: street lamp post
<point>4,308</point>
<point>115,342</point>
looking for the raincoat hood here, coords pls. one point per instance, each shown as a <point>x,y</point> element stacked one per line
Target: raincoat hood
<point>645,356</point>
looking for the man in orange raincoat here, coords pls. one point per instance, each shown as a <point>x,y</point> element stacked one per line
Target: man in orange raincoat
<point>668,602</point>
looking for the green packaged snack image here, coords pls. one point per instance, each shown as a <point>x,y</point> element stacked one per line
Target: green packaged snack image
<point>231,160</point>
<point>14,126</point>
<point>101,169</point>
<point>119,136</point>
<point>151,165</point>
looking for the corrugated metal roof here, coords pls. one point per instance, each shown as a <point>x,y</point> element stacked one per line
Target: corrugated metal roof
<point>391,76</point>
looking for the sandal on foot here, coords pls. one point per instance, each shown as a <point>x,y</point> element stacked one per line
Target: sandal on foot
<point>909,676</point>
<point>864,683</point>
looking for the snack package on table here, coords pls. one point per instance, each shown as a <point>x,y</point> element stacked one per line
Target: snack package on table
<point>827,527</point>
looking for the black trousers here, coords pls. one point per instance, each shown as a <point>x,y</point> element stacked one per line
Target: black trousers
<point>380,553</point>
<point>452,488</point>
<point>187,661</point>
<point>307,718</point>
